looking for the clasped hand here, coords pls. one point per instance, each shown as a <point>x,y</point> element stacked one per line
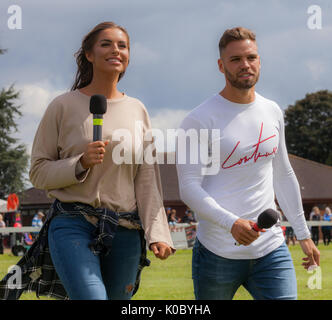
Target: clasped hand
<point>161,250</point>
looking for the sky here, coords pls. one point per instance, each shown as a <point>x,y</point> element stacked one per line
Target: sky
<point>174,51</point>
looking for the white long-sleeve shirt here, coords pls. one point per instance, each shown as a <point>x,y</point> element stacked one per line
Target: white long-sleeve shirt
<point>249,165</point>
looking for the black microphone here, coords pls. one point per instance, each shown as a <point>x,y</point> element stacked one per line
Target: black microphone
<point>265,220</point>
<point>98,106</point>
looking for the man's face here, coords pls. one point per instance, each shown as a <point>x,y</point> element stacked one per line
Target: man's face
<point>240,64</point>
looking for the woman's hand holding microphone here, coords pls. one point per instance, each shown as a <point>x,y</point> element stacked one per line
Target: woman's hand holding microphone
<point>94,154</point>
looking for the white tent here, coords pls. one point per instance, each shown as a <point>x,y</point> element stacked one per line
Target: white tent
<point>3,206</point>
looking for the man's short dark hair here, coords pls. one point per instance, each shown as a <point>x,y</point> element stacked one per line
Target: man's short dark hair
<point>235,34</point>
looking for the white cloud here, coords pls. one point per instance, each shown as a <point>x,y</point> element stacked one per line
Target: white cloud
<point>163,120</point>
<point>35,98</point>
<point>316,67</point>
<point>141,54</point>
<point>168,118</point>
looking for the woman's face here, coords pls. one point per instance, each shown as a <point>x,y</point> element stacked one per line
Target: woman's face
<point>110,53</point>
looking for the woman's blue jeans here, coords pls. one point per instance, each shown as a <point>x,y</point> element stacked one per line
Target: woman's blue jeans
<point>217,278</point>
<point>86,276</point>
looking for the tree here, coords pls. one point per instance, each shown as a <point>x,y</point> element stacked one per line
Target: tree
<point>13,156</point>
<point>308,127</point>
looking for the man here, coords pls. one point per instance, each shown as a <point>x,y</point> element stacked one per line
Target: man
<point>254,166</point>
<point>188,218</point>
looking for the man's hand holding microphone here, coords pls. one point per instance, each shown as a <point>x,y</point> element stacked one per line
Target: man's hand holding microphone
<point>246,231</point>
<point>243,232</point>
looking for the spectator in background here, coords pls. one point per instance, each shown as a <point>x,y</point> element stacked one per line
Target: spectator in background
<point>2,225</point>
<point>290,236</point>
<point>173,219</point>
<point>18,220</point>
<point>189,217</point>
<point>327,229</point>
<point>9,218</point>
<point>315,216</point>
<point>288,231</point>
<point>37,222</point>
<point>16,237</point>
<point>168,212</point>
<point>282,217</point>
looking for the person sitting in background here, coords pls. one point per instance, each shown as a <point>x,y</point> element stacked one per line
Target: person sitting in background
<point>37,222</point>
<point>173,219</point>
<point>168,212</point>
<point>327,229</point>
<point>2,225</point>
<point>315,216</point>
<point>189,217</point>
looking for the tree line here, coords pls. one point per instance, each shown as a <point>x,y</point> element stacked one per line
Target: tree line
<point>13,155</point>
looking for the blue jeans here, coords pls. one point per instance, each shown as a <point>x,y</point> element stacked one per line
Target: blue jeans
<point>86,276</point>
<point>217,278</point>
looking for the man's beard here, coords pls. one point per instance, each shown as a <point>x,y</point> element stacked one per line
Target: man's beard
<point>241,84</point>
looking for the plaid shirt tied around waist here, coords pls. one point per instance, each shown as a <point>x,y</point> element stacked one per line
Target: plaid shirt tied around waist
<point>36,267</point>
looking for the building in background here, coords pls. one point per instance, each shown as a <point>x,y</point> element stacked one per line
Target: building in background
<point>315,181</point>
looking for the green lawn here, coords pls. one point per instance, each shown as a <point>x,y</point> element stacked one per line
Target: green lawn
<point>171,279</point>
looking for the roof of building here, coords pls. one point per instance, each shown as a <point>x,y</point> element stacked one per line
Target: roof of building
<point>315,179</point>
<point>33,196</point>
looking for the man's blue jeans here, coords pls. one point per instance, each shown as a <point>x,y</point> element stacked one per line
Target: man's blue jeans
<point>86,276</point>
<point>217,278</point>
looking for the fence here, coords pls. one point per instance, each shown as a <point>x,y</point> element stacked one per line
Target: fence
<point>183,234</point>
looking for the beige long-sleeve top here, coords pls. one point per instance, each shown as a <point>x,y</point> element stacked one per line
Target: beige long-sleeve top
<point>61,139</point>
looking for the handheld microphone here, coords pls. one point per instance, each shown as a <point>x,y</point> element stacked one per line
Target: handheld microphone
<point>266,219</point>
<point>98,106</point>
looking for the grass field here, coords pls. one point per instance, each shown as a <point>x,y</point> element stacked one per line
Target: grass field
<point>171,279</point>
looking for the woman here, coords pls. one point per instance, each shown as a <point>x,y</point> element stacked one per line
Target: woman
<point>173,220</point>
<point>94,236</point>
<point>315,216</point>
<point>326,230</point>
<point>2,225</point>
